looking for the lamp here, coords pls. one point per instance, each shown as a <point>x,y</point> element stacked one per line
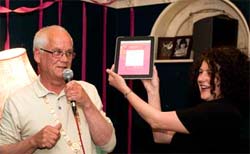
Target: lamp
<point>15,72</point>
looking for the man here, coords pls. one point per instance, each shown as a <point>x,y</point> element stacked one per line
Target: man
<point>39,119</point>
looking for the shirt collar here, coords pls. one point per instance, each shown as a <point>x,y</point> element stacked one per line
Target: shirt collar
<point>39,89</point>
<point>42,91</point>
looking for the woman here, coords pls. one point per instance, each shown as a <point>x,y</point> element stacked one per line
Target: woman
<point>181,50</point>
<point>213,125</point>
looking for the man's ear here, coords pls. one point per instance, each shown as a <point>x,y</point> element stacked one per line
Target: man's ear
<point>37,55</point>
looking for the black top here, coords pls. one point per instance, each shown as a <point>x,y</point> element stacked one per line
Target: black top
<point>214,128</point>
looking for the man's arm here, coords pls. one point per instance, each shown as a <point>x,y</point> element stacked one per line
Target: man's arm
<point>101,129</point>
<point>25,147</point>
<point>45,138</point>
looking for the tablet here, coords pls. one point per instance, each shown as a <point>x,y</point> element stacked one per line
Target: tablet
<point>134,57</point>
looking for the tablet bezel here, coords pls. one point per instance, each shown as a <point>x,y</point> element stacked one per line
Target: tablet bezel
<point>146,45</point>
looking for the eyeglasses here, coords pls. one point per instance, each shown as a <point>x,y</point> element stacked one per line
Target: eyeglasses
<point>59,53</point>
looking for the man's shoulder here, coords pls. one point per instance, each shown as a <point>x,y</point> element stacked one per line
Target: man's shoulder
<point>22,91</point>
<point>85,84</point>
<point>88,87</point>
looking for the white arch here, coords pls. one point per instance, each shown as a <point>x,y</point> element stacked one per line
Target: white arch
<point>178,19</point>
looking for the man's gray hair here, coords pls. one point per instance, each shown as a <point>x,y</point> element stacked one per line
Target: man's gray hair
<point>41,38</point>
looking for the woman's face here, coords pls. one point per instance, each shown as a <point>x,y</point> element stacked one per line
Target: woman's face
<point>183,45</point>
<point>203,81</point>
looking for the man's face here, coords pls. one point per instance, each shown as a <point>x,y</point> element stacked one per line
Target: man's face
<point>51,65</point>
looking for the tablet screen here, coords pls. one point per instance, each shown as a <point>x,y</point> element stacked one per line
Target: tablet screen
<point>134,57</point>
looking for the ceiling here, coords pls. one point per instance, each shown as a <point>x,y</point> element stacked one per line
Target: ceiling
<point>118,4</point>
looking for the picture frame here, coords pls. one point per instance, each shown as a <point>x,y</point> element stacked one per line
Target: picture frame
<point>178,47</point>
<point>183,46</point>
<point>134,57</point>
<point>166,46</point>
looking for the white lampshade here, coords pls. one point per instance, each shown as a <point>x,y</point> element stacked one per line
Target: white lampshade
<point>15,72</point>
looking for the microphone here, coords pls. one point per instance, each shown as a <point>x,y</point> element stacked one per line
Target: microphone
<point>68,76</point>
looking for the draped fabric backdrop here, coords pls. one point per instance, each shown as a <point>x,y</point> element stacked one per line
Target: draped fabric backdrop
<point>40,9</point>
<point>94,28</point>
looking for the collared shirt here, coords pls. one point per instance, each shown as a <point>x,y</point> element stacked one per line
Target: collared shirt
<point>26,112</point>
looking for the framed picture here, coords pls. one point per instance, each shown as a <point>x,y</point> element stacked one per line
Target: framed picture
<point>134,57</point>
<point>166,46</point>
<point>183,46</point>
<point>178,47</point>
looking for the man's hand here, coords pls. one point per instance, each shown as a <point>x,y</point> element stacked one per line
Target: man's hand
<point>47,137</point>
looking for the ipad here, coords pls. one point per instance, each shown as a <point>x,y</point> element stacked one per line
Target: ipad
<point>134,57</point>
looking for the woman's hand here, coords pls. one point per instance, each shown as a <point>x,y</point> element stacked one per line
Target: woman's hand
<point>152,85</point>
<point>117,81</point>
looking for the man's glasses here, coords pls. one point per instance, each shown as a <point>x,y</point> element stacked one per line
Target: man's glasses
<point>59,53</point>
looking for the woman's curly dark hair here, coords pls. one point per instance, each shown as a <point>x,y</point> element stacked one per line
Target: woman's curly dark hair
<point>233,71</point>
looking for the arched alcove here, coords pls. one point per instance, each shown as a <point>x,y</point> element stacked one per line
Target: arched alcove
<point>179,17</point>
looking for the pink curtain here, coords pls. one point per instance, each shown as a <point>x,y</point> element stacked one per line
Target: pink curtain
<point>6,10</point>
<point>104,57</point>
<point>130,109</point>
<point>44,5</point>
<point>84,40</point>
<point>7,42</point>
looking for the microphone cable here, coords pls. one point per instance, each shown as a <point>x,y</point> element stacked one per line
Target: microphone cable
<point>77,119</point>
<point>68,75</point>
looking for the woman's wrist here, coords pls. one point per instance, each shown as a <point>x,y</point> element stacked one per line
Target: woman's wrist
<point>127,93</point>
<point>153,92</point>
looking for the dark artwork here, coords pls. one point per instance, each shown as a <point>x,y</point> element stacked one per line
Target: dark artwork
<point>166,46</point>
<point>174,47</point>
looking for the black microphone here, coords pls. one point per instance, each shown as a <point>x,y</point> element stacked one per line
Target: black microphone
<point>68,76</point>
